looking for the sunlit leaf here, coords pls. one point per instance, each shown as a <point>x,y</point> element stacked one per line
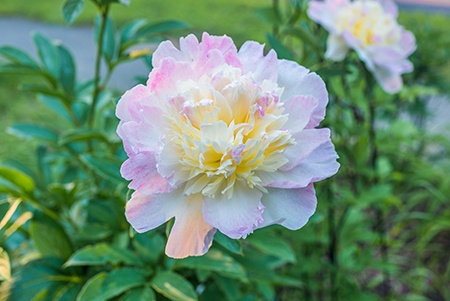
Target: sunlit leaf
<point>173,286</point>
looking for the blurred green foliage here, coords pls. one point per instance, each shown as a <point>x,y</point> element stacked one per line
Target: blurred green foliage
<point>381,230</point>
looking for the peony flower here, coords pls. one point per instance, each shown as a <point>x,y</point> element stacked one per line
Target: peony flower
<point>370,28</point>
<point>223,140</point>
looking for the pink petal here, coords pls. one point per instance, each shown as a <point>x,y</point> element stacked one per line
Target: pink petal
<point>139,137</point>
<point>390,7</point>
<point>296,80</point>
<point>164,50</point>
<point>290,208</point>
<point>307,141</point>
<point>407,43</point>
<point>141,169</point>
<point>236,217</point>
<point>320,165</point>
<point>251,54</point>
<point>129,104</point>
<point>190,46</point>
<point>300,110</point>
<point>389,81</point>
<point>146,212</point>
<point>190,234</point>
<point>324,13</point>
<point>163,79</point>
<point>391,59</point>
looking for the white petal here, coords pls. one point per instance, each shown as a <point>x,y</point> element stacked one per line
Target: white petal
<point>236,217</point>
<point>290,208</point>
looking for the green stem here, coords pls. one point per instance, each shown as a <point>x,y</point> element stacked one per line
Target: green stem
<point>98,60</point>
<point>332,246</point>
<point>373,157</point>
<point>276,9</point>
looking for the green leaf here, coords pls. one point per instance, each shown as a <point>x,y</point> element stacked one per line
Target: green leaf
<point>17,178</point>
<point>105,166</point>
<point>101,254</point>
<point>144,293</point>
<point>68,292</point>
<point>24,130</point>
<point>230,244</point>
<point>80,110</point>
<point>104,286</point>
<point>80,135</point>
<point>37,276</point>
<point>18,56</point>
<point>48,53</point>
<point>304,34</point>
<point>160,27</point>
<point>5,267</point>
<point>214,261</point>
<point>19,69</point>
<point>173,286</point>
<point>149,245</point>
<point>42,89</point>
<point>128,31</point>
<point>280,49</point>
<point>55,105</point>
<point>67,71</point>
<point>72,9</point>
<point>49,237</point>
<point>273,245</point>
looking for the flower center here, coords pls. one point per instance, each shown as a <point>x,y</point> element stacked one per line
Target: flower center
<point>224,128</point>
<point>367,21</point>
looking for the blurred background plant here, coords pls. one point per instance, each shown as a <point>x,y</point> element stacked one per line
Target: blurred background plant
<point>381,231</point>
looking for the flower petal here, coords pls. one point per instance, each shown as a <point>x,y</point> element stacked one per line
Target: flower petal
<point>190,234</point>
<point>146,212</point>
<point>129,104</point>
<point>141,169</point>
<point>251,55</point>
<point>166,49</point>
<point>307,141</point>
<point>320,165</point>
<point>290,208</point>
<point>390,7</point>
<point>300,110</point>
<point>337,49</point>
<point>390,82</point>
<point>297,80</point>
<point>236,217</point>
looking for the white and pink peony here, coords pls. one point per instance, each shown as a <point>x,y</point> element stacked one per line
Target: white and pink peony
<point>223,140</point>
<point>370,28</point>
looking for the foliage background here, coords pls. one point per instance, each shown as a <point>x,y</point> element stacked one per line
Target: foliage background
<point>382,227</point>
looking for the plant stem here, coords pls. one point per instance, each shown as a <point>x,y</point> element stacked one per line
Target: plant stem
<point>373,157</point>
<point>332,246</point>
<point>98,60</point>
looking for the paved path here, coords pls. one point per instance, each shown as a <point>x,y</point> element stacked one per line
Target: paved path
<point>79,40</point>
